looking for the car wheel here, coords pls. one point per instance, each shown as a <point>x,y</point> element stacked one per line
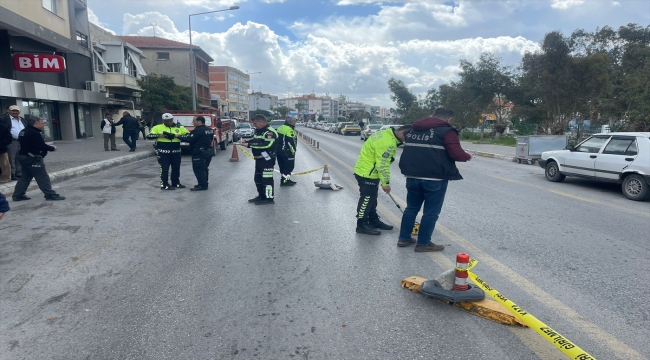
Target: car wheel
<point>635,188</point>
<point>223,144</point>
<point>552,172</point>
<point>214,148</point>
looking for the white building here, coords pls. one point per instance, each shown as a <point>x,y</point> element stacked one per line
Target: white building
<point>261,101</point>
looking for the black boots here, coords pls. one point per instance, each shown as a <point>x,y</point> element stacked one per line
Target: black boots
<point>55,197</point>
<point>364,227</point>
<point>378,224</point>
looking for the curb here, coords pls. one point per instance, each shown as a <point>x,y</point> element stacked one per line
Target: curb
<point>67,174</point>
<point>491,155</point>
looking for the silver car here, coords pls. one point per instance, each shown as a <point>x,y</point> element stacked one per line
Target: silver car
<point>619,157</point>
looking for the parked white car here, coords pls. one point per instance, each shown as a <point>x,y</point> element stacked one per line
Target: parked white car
<point>620,157</point>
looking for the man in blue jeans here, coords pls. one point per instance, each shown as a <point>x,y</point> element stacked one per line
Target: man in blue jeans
<point>431,150</point>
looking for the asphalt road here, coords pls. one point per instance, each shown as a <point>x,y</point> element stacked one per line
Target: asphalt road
<point>122,270</point>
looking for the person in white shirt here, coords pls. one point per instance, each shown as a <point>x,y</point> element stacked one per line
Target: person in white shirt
<point>15,123</point>
<point>108,129</point>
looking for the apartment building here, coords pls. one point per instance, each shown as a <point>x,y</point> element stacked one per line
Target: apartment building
<point>232,86</point>
<point>46,63</point>
<point>261,101</point>
<point>172,58</point>
<point>118,67</point>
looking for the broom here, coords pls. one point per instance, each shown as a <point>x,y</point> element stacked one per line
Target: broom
<point>416,227</point>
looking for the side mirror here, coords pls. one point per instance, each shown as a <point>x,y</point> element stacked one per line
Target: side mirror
<point>569,147</point>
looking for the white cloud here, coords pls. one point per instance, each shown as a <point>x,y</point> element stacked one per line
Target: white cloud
<point>565,4</point>
<point>95,20</point>
<point>332,65</point>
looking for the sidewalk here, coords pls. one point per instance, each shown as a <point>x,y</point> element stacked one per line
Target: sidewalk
<point>500,152</point>
<point>85,156</point>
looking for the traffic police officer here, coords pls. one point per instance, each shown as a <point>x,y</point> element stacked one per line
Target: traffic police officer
<point>168,148</point>
<point>287,150</point>
<point>264,147</point>
<point>371,169</point>
<point>199,140</point>
<point>32,151</point>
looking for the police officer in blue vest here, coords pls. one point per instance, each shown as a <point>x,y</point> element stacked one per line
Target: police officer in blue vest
<point>199,139</point>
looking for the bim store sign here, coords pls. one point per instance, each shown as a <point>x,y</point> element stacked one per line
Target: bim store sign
<point>39,63</point>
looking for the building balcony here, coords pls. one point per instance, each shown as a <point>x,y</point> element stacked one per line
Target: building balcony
<point>121,81</point>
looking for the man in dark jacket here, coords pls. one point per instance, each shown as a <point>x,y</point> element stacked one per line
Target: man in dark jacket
<point>431,150</point>
<point>5,141</point>
<point>287,150</point>
<point>15,123</point>
<point>199,140</point>
<point>32,151</point>
<point>130,129</point>
<point>264,152</point>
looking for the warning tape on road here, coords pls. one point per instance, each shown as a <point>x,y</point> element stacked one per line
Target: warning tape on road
<point>245,152</point>
<point>292,174</point>
<point>567,347</point>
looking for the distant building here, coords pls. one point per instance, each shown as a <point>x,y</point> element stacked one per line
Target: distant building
<point>231,85</point>
<point>261,101</point>
<point>118,67</point>
<point>172,58</point>
<point>46,66</point>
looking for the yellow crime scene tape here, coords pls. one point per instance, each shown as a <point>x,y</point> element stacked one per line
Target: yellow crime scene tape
<point>293,174</point>
<point>567,347</point>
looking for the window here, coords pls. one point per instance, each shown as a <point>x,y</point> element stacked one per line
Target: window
<point>592,145</point>
<point>162,56</point>
<point>632,149</point>
<point>114,68</point>
<point>82,40</point>
<point>50,5</point>
<point>620,147</point>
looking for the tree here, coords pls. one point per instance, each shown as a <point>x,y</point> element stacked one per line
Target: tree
<point>300,107</point>
<point>283,110</point>
<point>321,118</point>
<point>401,95</point>
<point>160,93</point>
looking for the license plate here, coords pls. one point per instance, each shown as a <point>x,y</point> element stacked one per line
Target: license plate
<point>185,144</point>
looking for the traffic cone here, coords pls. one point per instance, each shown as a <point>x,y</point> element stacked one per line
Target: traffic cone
<point>462,261</point>
<point>235,154</point>
<point>326,182</point>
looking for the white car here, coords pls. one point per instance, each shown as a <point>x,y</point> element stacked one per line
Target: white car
<point>369,130</point>
<point>245,130</point>
<point>619,157</point>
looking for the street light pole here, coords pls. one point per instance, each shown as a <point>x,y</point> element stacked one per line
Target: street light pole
<point>192,57</point>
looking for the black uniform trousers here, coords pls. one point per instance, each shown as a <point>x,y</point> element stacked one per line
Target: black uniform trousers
<point>165,159</point>
<point>264,177</point>
<point>368,192</point>
<point>33,168</point>
<point>200,163</point>
<point>286,163</point>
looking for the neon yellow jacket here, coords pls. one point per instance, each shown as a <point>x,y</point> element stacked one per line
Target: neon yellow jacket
<point>377,153</point>
<point>164,143</point>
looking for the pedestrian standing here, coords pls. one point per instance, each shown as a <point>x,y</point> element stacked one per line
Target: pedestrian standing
<point>130,129</point>
<point>168,148</point>
<point>143,127</point>
<point>428,161</point>
<point>287,150</point>
<point>264,148</point>
<point>108,130</point>
<point>32,151</point>
<point>371,170</point>
<point>16,124</point>
<point>200,139</point>
<point>5,141</point>
<point>4,206</point>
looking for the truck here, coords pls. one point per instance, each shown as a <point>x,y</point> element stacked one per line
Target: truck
<point>223,128</point>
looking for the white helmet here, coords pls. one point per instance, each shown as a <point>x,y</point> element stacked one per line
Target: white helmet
<point>167,116</point>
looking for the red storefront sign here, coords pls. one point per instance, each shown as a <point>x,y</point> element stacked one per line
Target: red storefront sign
<point>39,63</point>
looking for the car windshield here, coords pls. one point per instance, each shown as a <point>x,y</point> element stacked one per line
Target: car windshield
<point>276,123</point>
<point>374,127</point>
<point>186,120</point>
<point>245,126</point>
<point>345,123</point>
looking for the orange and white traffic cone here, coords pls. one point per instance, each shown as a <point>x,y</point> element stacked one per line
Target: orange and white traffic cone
<point>235,154</point>
<point>462,261</point>
<point>326,182</point>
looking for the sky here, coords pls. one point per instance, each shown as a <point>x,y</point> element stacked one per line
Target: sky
<point>353,47</point>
